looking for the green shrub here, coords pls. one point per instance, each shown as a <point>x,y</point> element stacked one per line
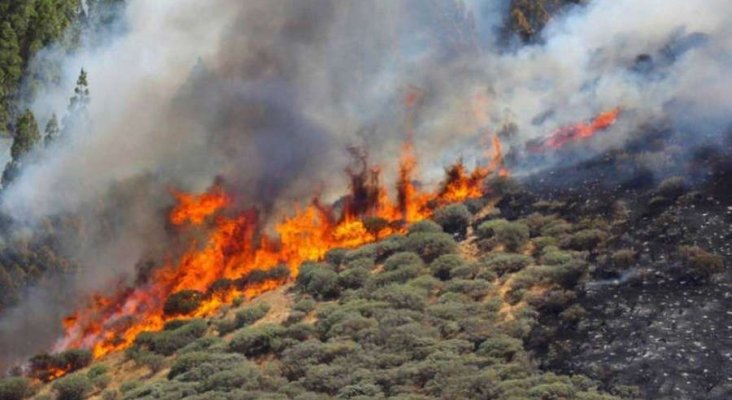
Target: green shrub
<point>426,282</point>
<point>363,263</point>
<point>15,388</point>
<point>429,246</point>
<point>556,228</point>
<point>258,340</point>
<point>553,256</point>
<point>244,376</point>
<point>204,343</point>
<point>300,331</point>
<point>305,305</point>
<point>513,235</point>
<point>318,280</point>
<point>401,275</point>
<point>475,288</point>
<point>279,272</point>
<point>129,386</point>
<point>453,218</point>
<point>503,263</point>
<point>425,226</point>
<point>402,296</point>
<point>402,259</point>
<point>336,256</point>
<point>74,359</point>
<point>183,303</point>
<point>196,366</point>
<point>362,390</point>
<point>96,370</point>
<point>475,205</point>
<point>501,347</point>
<point>370,250</point>
<point>586,239</point>
<point>101,381</point>
<point>487,229</point>
<point>111,394</point>
<point>388,246</point>
<point>444,265</point>
<point>353,278</point>
<point>153,362</point>
<point>541,242</point>
<point>252,314</point>
<point>72,387</point>
<point>160,389</point>
<point>167,342</point>
<point>466,271</point>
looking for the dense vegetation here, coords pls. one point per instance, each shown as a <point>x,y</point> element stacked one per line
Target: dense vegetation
<point>26,27</point>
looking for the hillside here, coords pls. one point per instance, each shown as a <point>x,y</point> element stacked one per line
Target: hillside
<point>333,199</point>
<point>526,297</point>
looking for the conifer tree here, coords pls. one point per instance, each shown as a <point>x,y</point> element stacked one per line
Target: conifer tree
<point>76,115</point>
<point>26,136</point>
<point>80,99</point>
<point>10,69</point>
<point>25,139</point>
<point>52,131</point>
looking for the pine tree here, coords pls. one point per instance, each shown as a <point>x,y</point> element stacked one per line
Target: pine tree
<point>52,131</point>
<point>25,139</point>
<point>76,116</point>
<point>26,136</point>
<point>11,68</point>
<point>80,99</point>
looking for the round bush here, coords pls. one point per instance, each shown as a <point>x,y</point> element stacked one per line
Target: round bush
<point>15,388</point>
<point>454,218</point>
<point>353,278</point>
<point>443,266</point>
<point>404,258</point>
<point>502,263</point>
<point>429,246</point>
<point>72,387</point>
<point>513,235</point>
<point>258,340</point>
<point>183,302</point>
<point>318,280</point>
<point>425,226</point>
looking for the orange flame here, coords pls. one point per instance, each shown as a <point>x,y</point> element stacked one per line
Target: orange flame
<point>195,209</point>
<point>580,131</point>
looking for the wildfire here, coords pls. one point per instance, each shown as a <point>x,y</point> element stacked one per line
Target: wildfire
<point>238,259</point>
<point>580,131</point>
<point>195,209</point>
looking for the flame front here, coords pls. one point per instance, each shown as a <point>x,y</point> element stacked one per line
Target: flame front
<point>580,131</point>
<point>237,245</point>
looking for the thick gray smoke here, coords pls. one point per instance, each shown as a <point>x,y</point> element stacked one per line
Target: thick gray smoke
<point>265,95</point>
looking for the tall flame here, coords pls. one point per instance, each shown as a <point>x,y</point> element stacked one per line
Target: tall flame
<point>580,131</point>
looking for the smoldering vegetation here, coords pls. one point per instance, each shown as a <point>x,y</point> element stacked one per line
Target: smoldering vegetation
<point>264,96</point>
